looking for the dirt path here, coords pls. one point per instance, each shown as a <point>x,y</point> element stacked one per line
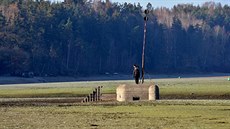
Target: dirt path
<point>77,101</point>
<point>50,101</point>
<point>38,101</point>
<point>105,99</point>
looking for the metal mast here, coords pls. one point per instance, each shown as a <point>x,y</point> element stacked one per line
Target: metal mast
<point>144,41</point>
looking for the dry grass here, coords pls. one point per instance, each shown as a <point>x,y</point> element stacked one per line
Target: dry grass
<point>172,114</point>
<point>147,115</point>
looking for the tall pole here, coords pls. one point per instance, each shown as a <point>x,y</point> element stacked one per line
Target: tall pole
<point>143,50</point>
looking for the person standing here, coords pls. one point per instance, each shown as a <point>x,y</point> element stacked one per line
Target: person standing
<point>136,73</point>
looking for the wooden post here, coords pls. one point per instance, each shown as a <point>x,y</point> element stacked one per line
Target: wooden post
<point>96,94</point>
<point>91,97</point>
<point>87,99</point>
<point>99,93</point>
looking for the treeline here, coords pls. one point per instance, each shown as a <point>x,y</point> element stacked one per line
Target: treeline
<point>79,37</point>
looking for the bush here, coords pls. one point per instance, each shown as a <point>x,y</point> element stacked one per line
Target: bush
<point>13,60</point>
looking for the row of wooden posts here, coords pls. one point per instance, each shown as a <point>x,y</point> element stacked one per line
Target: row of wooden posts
<point>94,96</point>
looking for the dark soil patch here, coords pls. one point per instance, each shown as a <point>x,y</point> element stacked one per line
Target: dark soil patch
<point>173,96</point>
<point>104,98</point>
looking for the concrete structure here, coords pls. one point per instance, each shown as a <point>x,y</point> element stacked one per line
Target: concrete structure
<point>137,92</point>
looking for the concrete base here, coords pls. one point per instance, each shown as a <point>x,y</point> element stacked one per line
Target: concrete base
<point>136,92</point>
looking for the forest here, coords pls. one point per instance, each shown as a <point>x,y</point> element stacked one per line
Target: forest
<point>82,38</point>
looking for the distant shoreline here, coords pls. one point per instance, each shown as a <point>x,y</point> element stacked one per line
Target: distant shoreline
<point>21,80</point>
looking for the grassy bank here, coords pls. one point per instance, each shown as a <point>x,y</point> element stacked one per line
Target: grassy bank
<point>147,115</point>
<point>174,88</point>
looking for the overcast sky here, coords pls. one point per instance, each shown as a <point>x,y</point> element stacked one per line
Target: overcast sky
<point>167,3</point>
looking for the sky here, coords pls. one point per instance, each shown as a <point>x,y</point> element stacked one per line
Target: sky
<point>167,3</point>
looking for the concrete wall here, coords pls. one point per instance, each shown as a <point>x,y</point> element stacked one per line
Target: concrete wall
<point>136,92</point>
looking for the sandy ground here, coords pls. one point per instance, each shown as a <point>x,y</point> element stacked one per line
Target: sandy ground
<point>21,80</point>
